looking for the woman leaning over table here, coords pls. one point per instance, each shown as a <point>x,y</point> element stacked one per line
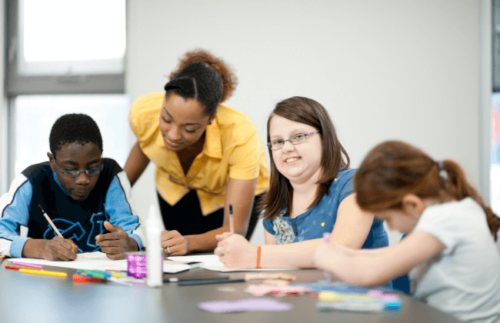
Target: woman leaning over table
<point>310,194</point>
<point>207,155</point>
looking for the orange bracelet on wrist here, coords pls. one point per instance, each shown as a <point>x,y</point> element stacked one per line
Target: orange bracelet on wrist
<point>258,256</point>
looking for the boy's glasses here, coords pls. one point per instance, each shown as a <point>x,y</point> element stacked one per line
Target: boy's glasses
<point>73,173</point>
<point>294,140</point>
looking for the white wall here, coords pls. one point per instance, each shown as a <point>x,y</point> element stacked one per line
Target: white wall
<point>384,69</point>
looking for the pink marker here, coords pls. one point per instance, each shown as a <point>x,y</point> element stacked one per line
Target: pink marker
<point>27,265</point>
<point>326,238</point>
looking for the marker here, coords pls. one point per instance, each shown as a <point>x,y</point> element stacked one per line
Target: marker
<point>50,221</point>
<point>27,265</point>
<point>326,238</point>
<point>231,221</point>
<point>94,273</point>
<point>42,272</point>
<point>13,267</point>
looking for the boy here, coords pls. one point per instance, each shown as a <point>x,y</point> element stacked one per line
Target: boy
<point>86,197</point>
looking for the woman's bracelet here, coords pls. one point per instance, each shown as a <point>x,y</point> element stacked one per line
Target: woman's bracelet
<point>258,256</point>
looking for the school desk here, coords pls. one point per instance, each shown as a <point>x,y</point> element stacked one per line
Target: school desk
<point>38,299</point>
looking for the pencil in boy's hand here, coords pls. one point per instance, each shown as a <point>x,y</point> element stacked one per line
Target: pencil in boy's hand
<point>50,221</point>
<point>231,221</point>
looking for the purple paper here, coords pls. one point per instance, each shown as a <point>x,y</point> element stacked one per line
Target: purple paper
<point>262,304</point>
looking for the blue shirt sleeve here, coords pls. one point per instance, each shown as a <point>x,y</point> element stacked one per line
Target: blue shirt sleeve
<point>14,215</point>
<point>120,214</point>
<point>345,184</point>
<point>269,226</point>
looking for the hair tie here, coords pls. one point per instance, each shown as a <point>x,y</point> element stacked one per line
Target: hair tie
<point>442,171</point>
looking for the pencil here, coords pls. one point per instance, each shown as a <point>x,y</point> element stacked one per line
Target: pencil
<point>50,222</point>
<point>42,272</point>
<point>231,221</point>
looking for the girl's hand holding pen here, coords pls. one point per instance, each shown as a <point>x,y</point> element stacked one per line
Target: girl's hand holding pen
<point>235,251</point>
<point>115,243</point>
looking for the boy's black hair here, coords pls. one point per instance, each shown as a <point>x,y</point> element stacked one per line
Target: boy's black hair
<point>70,128</point>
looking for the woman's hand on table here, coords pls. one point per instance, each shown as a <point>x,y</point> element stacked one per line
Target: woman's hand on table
<point>235,251</point>
<point>173,243</point>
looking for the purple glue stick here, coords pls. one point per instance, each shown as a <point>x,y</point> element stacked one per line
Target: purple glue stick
<point>326,238</point>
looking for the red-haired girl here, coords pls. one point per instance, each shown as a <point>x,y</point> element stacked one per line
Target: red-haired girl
<point>450,244</point>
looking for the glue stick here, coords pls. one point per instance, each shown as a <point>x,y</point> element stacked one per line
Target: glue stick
<point>154,252</point>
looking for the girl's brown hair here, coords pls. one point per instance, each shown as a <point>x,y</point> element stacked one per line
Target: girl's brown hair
<point>229,80</point>
<point>309,112</point>
<point>393,169</point>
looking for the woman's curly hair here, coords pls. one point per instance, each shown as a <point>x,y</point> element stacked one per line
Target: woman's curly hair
<point>229,79</point>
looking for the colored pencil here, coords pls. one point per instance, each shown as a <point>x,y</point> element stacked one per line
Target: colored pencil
<point>42,272</point>
<point>27,265</point>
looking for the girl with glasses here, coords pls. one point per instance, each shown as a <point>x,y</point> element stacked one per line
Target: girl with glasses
<point>310,194</point>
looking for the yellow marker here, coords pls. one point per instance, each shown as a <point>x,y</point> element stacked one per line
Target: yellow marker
<point>119,275</point>
<point>42,272</point>
<point>323,224</point>
<point>332,296</point>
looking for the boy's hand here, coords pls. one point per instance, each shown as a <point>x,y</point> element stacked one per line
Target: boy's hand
<point>115,243</point>
<point>59,249</point>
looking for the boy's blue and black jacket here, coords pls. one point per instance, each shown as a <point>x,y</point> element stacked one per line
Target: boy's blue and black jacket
<point>80,221</point>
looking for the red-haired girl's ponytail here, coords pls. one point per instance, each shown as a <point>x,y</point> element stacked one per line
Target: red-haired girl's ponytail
<point>456,186</point>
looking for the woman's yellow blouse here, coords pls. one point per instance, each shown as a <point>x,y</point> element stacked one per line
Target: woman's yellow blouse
<point>232,150</point>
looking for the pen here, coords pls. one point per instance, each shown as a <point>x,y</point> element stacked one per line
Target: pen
<point>231,221</point>
<point>209,281</point>
<point>42,272</point>
<point>50,221</point>
<point>27,265</point>
<point>193,279</point>
<point>326,238</point>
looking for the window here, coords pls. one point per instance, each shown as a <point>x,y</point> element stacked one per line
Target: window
<point>65,57</point>
<point>60,46</point>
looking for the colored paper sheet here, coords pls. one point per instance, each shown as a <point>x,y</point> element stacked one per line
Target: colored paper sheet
<point>244,305</point>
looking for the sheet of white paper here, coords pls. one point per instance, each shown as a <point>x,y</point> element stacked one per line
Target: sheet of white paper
<point>96,261</point>
<point>221,268</point>
<point>204,259</point>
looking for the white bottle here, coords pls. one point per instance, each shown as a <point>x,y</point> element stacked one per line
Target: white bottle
<point>154,252</point>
